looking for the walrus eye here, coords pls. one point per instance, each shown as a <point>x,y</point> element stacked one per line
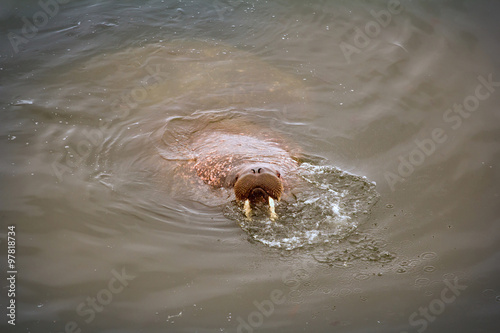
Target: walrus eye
<point>278,174</point>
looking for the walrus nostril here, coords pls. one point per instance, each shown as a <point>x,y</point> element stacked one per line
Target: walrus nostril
<point>258,185</point>
<point>258,170</point>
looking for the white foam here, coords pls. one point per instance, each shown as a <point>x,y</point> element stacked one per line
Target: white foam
<point>329,207</point>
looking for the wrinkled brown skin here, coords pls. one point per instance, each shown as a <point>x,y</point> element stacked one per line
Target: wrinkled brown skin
<point>253,167</point>
<point>255,182</point>
<point>258,183</point>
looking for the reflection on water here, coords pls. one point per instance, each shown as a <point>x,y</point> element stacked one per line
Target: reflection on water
<point>359,87</point>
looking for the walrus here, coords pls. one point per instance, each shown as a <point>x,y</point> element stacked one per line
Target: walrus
<point>255,164</point>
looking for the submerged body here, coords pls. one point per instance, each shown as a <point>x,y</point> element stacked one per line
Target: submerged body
<point>229,99</point>
<point>258,168</point>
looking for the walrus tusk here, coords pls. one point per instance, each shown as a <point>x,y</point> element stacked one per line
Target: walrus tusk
<point>248,209</point>
<point>272,212</point>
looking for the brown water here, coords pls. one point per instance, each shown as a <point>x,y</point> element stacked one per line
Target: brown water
<point>106,241</point>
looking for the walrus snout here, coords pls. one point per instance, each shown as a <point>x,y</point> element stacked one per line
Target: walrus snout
<point>257,184</point>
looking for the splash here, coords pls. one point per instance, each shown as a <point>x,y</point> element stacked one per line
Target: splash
<point>328,206</point>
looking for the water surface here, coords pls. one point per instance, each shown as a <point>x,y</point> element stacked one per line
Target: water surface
<point>406,97</point>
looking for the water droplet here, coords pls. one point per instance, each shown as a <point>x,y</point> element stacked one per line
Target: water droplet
<point>429,269</point>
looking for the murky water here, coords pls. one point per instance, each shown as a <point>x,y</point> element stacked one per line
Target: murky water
<point>394,110</point>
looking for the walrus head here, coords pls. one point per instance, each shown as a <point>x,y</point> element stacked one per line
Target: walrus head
<point>258,184</point>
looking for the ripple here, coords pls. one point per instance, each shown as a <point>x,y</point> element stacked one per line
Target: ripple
<point>489,293</point>
<point>324,290</point>
<point>345,292</point>
<point>449,276</point>
<point>422,282</point>
<point>428,255</point>
<point>413,262</point>
<point>379,243</point>
<point>361,276</point>
<point>342,264</point>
